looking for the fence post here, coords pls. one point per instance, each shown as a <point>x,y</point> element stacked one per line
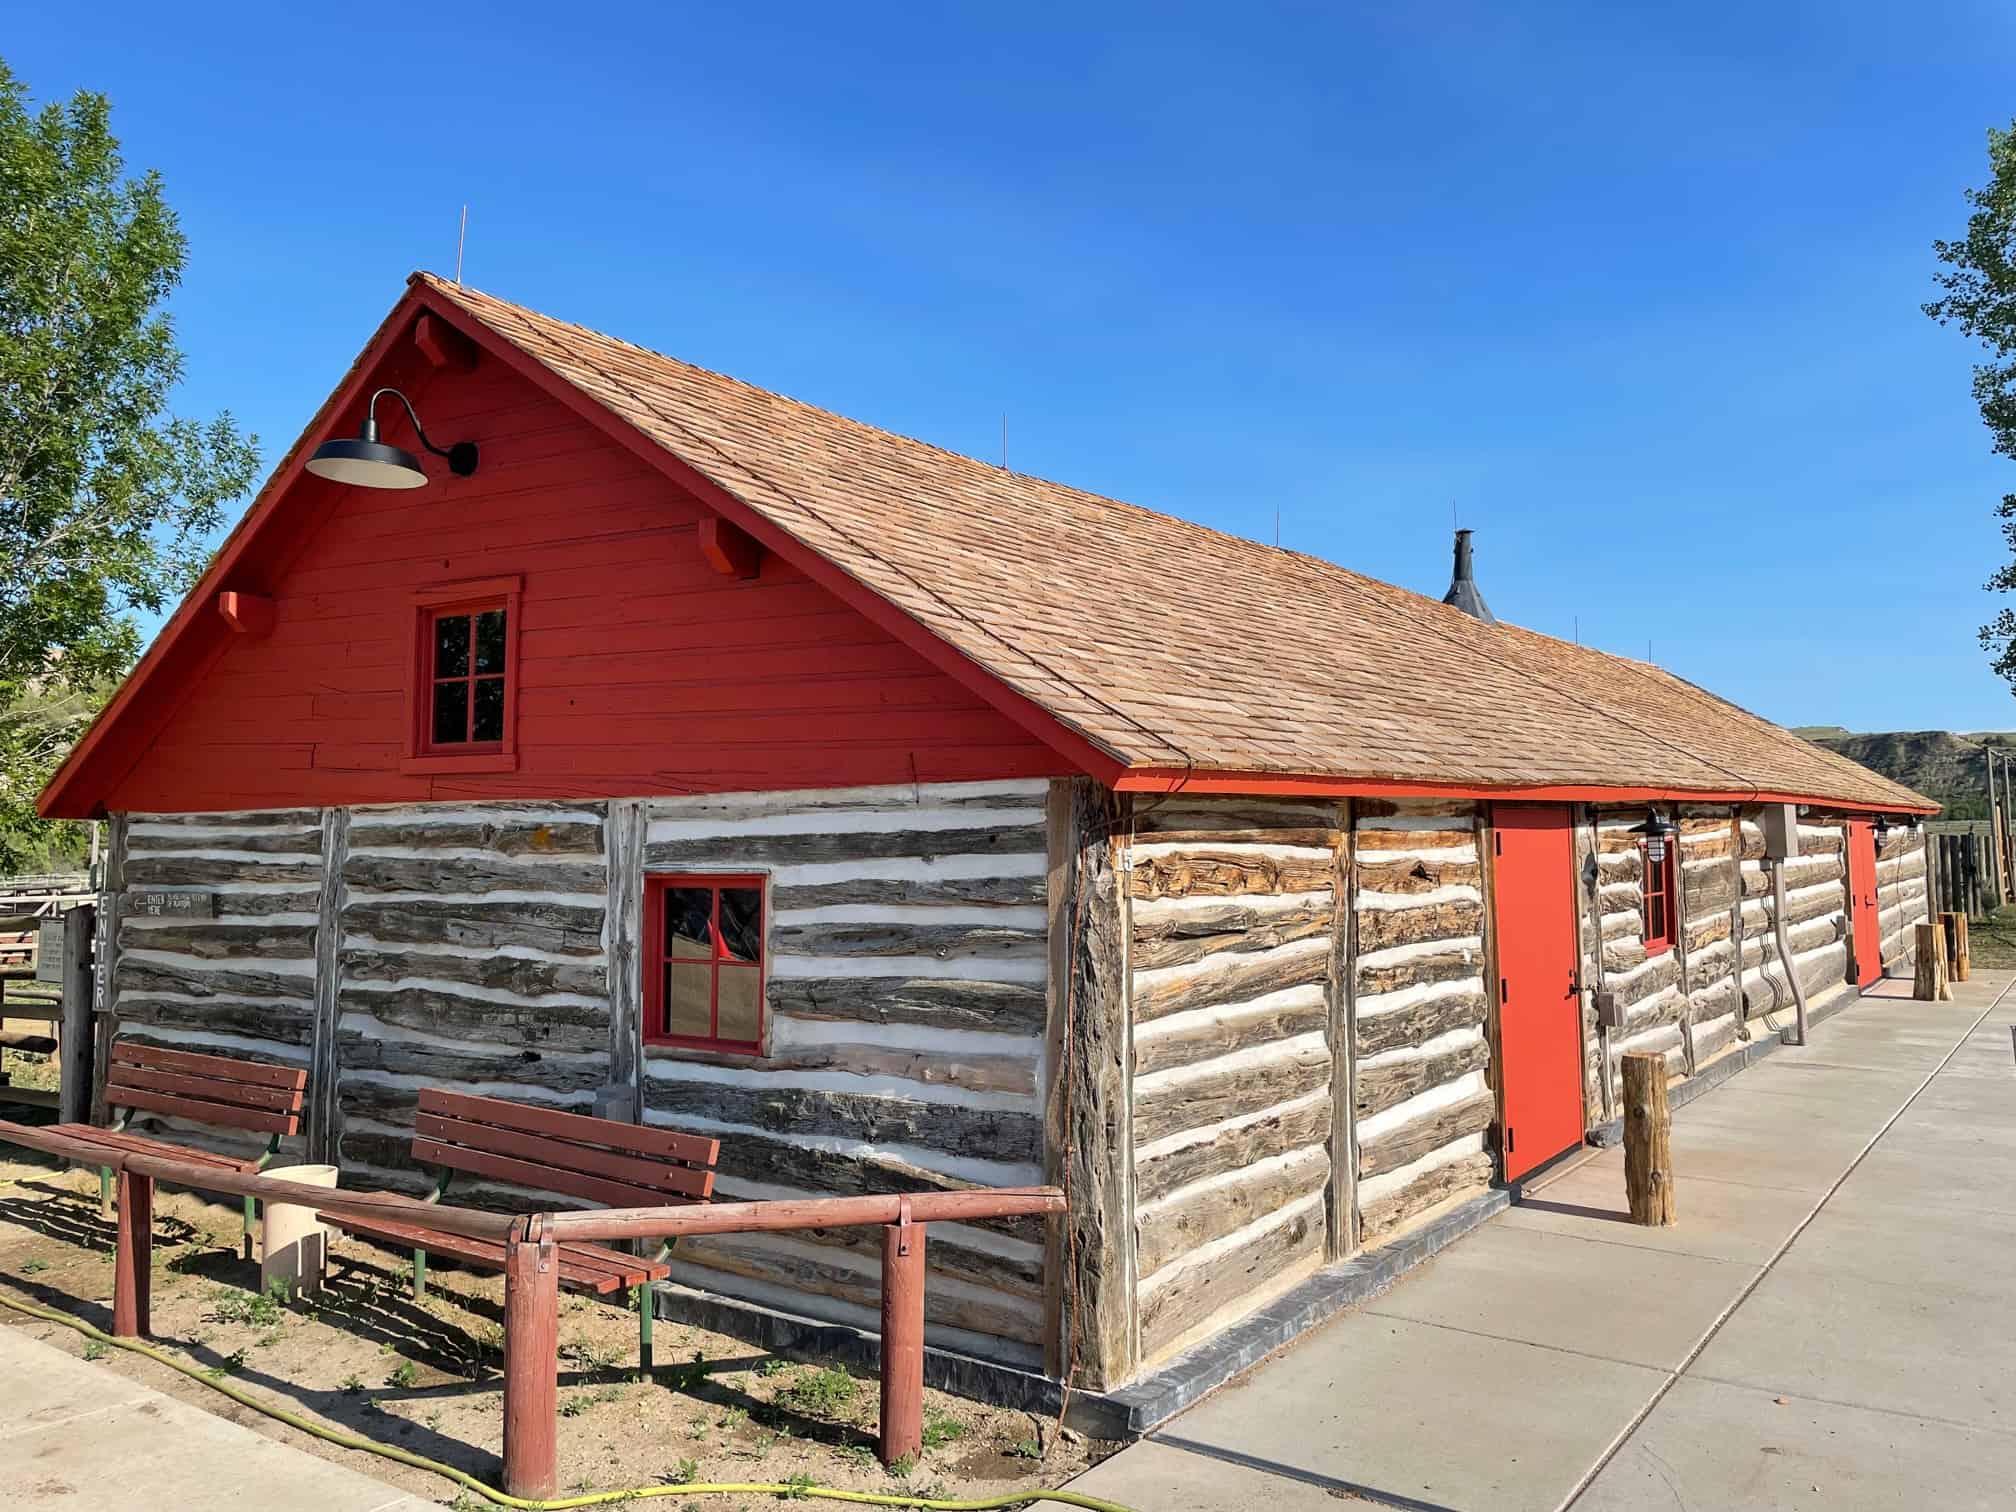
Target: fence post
<point>74,1085</point>
<point>902,1339</point>
<point>133,1264</point>
<point>1929,983</point>
<point>531,1360</point>
<point>1648,1137</point>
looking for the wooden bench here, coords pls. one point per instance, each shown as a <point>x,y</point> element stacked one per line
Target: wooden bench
<point>597,1159</point>
<point>217,1090</point>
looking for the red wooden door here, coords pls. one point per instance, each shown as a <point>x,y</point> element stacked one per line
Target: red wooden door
<point>1539,1004</point>
<point>1862,910</point>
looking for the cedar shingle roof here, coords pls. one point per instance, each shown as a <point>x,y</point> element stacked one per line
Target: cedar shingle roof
<point>1171,645</point>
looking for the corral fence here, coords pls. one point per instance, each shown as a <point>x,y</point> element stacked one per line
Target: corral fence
<point>1963,875</point>
<point>46,929</point>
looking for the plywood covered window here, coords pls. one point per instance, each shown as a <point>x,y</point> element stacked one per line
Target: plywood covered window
<point>465,677</point>
<point>1661,894</point>
<point>703,982</point>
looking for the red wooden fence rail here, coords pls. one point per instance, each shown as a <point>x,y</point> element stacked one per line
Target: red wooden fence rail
<point>532,1276</point>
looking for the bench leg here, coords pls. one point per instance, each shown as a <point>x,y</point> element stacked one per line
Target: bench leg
<point>133,1266</point>
<point>419,1274</point>
<point>531,1366</point>
<point>647,1307</point>
<point>251,1217</point>
<point>105,1192</point>
<point>902,1341</point>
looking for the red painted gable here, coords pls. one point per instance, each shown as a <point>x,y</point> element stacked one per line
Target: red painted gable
<point>642,669</point>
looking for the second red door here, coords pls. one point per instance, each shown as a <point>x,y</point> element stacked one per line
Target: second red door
<point>1539,997</point>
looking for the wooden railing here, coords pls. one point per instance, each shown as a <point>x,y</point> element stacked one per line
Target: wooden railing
<point>532,1273</point>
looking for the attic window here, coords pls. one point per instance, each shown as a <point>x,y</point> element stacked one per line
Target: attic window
<point>465,675</point>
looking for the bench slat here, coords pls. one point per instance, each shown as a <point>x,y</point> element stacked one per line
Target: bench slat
<point>222,1067</point>
<point>579,1128</point>
<point>236,1094</point>
<point>208,1112</point>
<point>537,1176</point>
<point>676,1181</point>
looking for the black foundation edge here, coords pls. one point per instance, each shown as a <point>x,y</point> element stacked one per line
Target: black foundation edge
<point>1711,1077</point>
<point>962,1375</point>
<point>1194,1374</point>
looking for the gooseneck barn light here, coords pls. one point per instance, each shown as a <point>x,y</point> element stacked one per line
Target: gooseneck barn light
<point>368,462</point>
<point>1656,831</point>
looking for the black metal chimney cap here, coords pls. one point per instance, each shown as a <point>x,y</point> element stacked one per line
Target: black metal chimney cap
<point>1463,586</point>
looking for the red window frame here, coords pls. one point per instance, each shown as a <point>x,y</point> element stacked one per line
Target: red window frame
<point>441,601</point>
<point>656,963</point>
<point>1660,889</point>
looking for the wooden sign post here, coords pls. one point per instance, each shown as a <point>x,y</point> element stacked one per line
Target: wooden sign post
<point>1648,1140</point>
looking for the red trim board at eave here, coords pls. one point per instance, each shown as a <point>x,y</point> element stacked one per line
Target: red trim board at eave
<point>1076,748</point>
<point>1312,785</point>
<point>193,634</point>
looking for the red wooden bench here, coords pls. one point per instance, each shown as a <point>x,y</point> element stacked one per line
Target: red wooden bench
<point>604,1162</point>
<point>217,1090</point>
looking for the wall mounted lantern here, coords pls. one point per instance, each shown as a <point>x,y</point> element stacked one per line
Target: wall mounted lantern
<point>1655,831</point>
<point>368,462</point>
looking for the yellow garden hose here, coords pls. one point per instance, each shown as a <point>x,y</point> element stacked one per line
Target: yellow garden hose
<point>592,1499</point>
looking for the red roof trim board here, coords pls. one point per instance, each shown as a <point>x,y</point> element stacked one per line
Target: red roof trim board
<point>432,316</point>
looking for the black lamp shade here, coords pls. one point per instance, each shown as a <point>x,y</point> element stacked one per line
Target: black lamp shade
<point>367,464</point>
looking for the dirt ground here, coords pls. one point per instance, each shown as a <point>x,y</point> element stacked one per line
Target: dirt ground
<point>363,1355</point>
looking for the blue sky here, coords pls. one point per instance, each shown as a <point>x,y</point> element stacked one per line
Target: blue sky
<point>1634,289</point>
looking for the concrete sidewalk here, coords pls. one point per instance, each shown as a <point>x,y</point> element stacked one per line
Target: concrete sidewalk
<point>77,1436</point>
<point>1825,1327</point>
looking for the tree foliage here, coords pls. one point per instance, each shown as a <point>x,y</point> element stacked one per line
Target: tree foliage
<point>1978,294</point>
<point>108,501</point>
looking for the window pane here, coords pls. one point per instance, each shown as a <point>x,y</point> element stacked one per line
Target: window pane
<point>742,923</point>
<point>687,1009</point>
<point>451,713</point>
<point>689,934</point>
<point>490,641</point>
<point>451,646</point>
<point>741,1003</point>
<point>489,721</point>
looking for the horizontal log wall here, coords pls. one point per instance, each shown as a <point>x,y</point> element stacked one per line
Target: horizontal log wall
<point>907,1009</point>
<point>1902,899</point>
<point>1424,1099</point>
<point>242,983</point>
<point>1816,920</point>
<point>1233,911</point>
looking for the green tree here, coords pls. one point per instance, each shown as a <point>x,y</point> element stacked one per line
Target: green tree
<point>108,501</point>
<point>1978,294</point>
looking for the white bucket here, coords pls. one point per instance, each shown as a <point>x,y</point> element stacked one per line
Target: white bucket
<point>295,1245</point>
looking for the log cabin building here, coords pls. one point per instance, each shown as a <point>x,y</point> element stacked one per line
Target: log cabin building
<point>685,752</point>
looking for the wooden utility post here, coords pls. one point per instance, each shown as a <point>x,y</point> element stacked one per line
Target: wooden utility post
<point>1929,982</point>
<point>1648,1140</point>
<point>1954,927</point>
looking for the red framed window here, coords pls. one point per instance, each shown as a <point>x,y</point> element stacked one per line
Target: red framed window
<point>704,977</point>
<point>464,687</point>
<point>1661,895</point>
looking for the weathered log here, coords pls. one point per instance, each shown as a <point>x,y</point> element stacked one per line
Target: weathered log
<point>284,1023</point>
<point>205,871</point>
<point>307,842</point>
<point>1409,1141</point>
<point>1387,1085</point>
<point>1420,1022</point>
<point>1276,1133</point>
<point>1223,980</point>
<point>357,1055</point>
<point>1189,1294</point>
<point>1929,984</point>
<point>1453,964</point>
<point>295,818</point>
<point>931,1002</point>
<point>1171,1229</point>
<point>1009,891</point>
<point>1209,1097</point>
<point>1195,874</point>
<point>1648,1141</point>
<point>525,976</point>
<point>983,1133</point>
<point>944,942</point>
<point>1170,942</point>
<point>976,1073</point>
<point>1955,925</point>
<point>731,811</point>
<point>523,836</point>
<point>1415,808</point>
<point>466,874</point>
<point>143,977</point>
<point>224,940</point>
<point>861,845</point>
<point>1385,1214</point>
<point>1221,1035</point>
<point>1371,843</point>
<point>1408,876</point>
<point>1202,820</point>
<point>581,1028</point>
<point>562,928</point>
<point>1379,928</point>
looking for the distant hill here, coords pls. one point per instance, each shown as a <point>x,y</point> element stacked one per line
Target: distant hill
<point>1938,763</point>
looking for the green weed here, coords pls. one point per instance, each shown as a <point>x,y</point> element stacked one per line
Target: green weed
<point>941,1429</point>
<point>827,1393</point>
<point>405,1377</point>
